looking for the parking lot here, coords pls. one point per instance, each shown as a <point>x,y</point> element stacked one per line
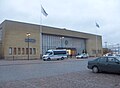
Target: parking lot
<point>70,73</point>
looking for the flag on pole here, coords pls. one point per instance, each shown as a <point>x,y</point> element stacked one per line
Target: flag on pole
<point>97,25</point>
<point>43,11</point>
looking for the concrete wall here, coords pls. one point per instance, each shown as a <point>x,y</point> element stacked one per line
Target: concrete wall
<point>15,35</point>
<point>91,45</point>
<point>2,41</point>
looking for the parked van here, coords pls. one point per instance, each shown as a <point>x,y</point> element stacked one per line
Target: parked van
<point>55,54</point>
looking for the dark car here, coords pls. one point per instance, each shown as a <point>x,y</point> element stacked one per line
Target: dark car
<point>105,64</point>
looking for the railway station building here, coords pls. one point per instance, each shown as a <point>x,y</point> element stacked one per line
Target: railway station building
<point>19,40</point>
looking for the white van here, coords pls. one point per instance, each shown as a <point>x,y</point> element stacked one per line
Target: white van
<point>55,54</point>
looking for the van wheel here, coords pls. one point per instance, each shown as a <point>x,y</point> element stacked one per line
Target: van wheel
<point>48,59</point>
<point>62,58</point>
<point>44,60</point>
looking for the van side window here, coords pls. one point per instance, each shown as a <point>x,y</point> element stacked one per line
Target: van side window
<point>59,52</point>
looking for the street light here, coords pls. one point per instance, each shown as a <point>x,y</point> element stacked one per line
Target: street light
<point>28,34</point>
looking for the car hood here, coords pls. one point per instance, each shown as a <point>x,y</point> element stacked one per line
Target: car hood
<point>45,55</point>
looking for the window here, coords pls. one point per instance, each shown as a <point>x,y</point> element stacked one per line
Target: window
<point>23,51</point>
<point>99,51</point>
<point>19,51</point>
<point>103,59</point>
<point>94,51</point>
<point>30,50</point>
<point>34,51</point>
<point>111,59</point>
<point>15,51</point>
<point>26,50</point>
<point>59,52</point>
<point>10,50</point>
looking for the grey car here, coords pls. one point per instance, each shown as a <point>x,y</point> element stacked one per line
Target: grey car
<point>105,64</point>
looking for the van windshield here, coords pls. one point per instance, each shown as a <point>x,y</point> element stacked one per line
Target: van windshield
<point>48,53</point>
<point>118,58</point>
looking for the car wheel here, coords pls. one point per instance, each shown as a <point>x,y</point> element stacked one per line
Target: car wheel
<point>44,60</point>
<point>48,59</point>
<point>95,69</point>
<point>62,58</point>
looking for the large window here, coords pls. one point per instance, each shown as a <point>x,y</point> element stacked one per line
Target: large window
<point>26,50</point>
<point>34,51</point>
<point>93,51</point>
<point>53,41</point>
<point>23,51</point>
<point>99,51</point>
<point>10,50</point>
<point>19,51</point>
<point>30,50</point>
<point>15,51</point>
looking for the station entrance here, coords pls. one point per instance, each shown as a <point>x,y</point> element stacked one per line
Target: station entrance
<point>71,51</point>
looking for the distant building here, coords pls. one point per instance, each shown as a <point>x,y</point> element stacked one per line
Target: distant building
<point>14,42</point>
<point>115,48</point>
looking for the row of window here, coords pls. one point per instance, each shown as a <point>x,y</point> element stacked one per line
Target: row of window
<point>96,51</point>
<point>21,51</point>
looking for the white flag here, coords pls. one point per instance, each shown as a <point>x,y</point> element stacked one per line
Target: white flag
<point>43,11</point>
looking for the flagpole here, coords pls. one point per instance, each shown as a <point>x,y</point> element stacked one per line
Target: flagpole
<point>45,14</point>
<point>96,44</point>
<point>97,39</point>
<point>40,33</point>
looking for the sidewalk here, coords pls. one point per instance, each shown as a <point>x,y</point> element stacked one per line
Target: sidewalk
<point>25,62</point>
<point>18,62</point>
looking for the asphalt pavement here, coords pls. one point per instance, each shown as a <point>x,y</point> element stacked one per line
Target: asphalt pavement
<point>69,73</point>
<point>24,69</point>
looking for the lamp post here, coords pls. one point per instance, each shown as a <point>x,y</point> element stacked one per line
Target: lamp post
<point>28,34</point>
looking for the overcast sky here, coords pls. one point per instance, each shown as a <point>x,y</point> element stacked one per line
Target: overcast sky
<point>78,15</point>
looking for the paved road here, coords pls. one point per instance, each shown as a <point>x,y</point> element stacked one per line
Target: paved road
<point>42,69</point>
<point>54,74</point>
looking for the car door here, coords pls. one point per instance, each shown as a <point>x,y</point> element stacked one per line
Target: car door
<point>113,65</point>
<point>117,65</point>
<point>102,65</point>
